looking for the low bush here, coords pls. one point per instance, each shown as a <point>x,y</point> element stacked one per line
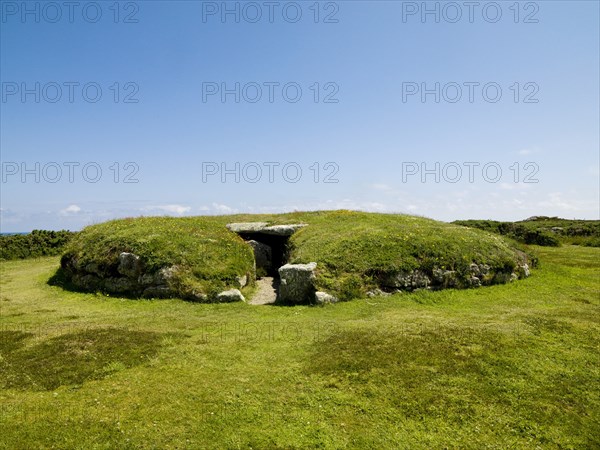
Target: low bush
<point>35,244</point>
<point>542,230</point>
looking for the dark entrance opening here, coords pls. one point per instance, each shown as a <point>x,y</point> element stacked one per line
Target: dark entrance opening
<point>278,246</point>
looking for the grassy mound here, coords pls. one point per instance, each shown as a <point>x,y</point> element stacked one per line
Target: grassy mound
<point>355,251</point>
<point>200,254</point>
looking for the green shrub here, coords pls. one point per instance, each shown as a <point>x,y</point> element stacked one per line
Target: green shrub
<point>35,244</point>
<point>539,237</point>
<point>592,242</point>
<point>542,230</point>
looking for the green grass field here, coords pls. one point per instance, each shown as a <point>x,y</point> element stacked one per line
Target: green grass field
<point>507,366</point>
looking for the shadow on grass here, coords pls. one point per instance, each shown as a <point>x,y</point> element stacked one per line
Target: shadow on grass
<point>74,358</point>
<point>59,279</point>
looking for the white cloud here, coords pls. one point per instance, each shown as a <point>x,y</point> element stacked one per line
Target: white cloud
<point>528,151</point>
<point>218,209</point>
<point>168,209</point>
<point>70,210</point>
<point>556,201</point>
<point>223,209</point>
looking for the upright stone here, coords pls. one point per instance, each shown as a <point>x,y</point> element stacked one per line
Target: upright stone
<point>130,265</point>
<point>263,255</point>
<point>297,283</point>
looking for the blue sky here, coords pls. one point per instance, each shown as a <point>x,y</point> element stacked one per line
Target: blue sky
<point>533,150</point>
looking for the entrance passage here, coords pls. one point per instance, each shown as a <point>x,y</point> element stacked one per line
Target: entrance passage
<point>267,289</point>
<point>270,246</point>
<point>270,252</point>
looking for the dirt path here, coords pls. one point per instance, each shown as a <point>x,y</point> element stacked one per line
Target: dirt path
<point>266,291</point>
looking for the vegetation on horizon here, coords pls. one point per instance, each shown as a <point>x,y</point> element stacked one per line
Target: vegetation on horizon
<point>543,230</point>
<point>35,244</point>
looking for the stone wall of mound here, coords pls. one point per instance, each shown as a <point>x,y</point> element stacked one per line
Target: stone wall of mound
<point>299,281</point>
<point>129,277</point>
<point>479,275</point>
